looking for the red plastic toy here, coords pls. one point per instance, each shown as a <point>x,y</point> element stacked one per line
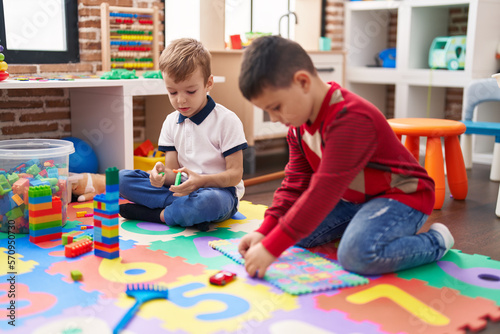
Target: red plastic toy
<point>222,277</point>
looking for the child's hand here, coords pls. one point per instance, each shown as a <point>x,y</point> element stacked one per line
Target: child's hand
<point>157,175</point>
<point>257,260</point>
<point>249,240</point>
<point>193,183</point>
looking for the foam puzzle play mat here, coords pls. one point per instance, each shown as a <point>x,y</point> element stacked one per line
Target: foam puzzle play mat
<point>306,291</point>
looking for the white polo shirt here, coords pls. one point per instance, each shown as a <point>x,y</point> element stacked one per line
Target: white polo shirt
<point>204,140</point>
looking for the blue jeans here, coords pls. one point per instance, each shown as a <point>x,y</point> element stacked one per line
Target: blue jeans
<point>379,236</point>
<point>203,205</point>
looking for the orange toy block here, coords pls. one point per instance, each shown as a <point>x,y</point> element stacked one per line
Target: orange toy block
<point>16,198</point>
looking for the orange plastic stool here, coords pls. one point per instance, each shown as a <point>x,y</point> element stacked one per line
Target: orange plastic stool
<point>434,129</point>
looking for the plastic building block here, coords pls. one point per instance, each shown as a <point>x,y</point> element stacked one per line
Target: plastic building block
<point>77,248</point>
<point>33,170</point>
<point>67,238</point>
<point>143,149</point>
<point>17,199</point>
<point>80,214</point>
<point>76,275</point>
<point>4,185</point>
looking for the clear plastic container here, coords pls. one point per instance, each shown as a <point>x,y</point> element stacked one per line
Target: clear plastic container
<point>30,162</point>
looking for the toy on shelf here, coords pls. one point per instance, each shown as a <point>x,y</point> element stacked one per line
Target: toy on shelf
<point>129,38</point>
<point>117,74</point>
<point>3,66</point>
<point>152,75</point>
<point>106,225</point>
<point>448,52</point>
<point>142,293</point>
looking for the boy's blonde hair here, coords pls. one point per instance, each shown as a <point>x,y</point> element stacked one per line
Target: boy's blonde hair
<point>181,58</point>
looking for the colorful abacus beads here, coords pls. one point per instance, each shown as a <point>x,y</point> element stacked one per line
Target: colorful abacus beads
<point>3,66</point>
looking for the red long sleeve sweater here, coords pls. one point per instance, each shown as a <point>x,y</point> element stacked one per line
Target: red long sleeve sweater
<point>349,153</point>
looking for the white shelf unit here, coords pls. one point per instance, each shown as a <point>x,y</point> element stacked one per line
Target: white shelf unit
<point>419,90</point>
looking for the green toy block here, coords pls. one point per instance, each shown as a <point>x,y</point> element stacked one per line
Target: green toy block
<point>76,275</point>
<point>65,236</point>
<point>12,178</point>
<point>15,213</point>
<point>85,236</point>
<point>4,185</point>
<point>33,170</point>
<point>39,191</point>
<point>43,226</point>
<point>51,180</point>
<point>111,176</point>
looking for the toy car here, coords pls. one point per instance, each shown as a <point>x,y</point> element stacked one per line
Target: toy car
<point>222,277</point>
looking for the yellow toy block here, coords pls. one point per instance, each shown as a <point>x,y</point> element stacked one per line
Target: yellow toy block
<point>16,198</point>
<point>80,214</point>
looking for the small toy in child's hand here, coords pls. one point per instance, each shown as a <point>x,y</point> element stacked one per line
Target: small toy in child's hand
<point>222,277</point>
<point>177,177</point>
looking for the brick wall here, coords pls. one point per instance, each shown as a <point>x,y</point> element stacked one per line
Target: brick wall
<point>45,113</point>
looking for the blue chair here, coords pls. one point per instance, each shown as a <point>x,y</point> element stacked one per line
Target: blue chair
<point>476,92</point>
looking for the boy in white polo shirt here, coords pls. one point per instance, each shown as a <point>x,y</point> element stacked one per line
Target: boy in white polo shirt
<point>202,139</point>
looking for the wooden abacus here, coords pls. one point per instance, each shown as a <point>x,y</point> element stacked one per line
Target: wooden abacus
<point>129,38</point>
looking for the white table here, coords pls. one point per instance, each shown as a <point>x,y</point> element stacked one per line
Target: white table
<point>102,113</point>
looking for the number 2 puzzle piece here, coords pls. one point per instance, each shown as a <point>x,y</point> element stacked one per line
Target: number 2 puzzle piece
<point>411,306</point>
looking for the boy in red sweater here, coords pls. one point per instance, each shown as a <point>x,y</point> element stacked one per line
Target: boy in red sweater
<point>348,175</point>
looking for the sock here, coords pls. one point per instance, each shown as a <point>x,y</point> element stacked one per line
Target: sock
<point>139,212</point>
<point>203,227</point>
<point>445,234</point>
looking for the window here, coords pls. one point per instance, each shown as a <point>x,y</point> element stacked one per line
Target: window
<point>39,32</point>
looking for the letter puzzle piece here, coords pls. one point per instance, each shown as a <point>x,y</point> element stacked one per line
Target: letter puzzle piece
<point>411,306</point>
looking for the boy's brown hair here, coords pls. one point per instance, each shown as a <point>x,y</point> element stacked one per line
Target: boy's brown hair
<point>182,57</point>
<point>271,62</point>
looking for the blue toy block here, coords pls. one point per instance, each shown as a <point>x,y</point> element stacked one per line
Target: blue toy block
<point>4,205</point>
<point>45,231</point>
<point>106,255</point>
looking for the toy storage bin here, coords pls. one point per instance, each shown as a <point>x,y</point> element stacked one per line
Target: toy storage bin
<point>30,162</point>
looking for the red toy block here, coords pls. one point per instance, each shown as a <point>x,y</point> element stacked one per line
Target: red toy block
<point>78,248</point>
<point>47,237</point>
<point>143,149</point>
<point>56,208</point>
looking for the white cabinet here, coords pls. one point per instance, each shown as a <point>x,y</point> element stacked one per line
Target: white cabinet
<point>330,67</point>
<point>419,90</point>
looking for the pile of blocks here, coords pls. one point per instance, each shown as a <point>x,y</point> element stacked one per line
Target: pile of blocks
<point>106,226</point>
<point>45,214</point>
<point>14,185</point>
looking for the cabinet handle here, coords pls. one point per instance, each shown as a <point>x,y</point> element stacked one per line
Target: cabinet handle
<point>325,69</point>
